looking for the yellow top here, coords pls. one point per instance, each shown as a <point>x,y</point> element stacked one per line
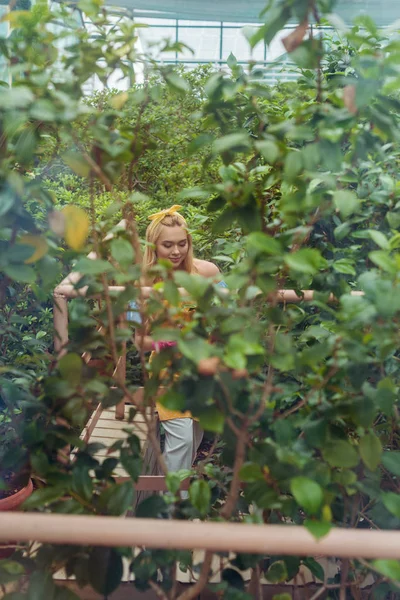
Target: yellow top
<point>165,414</point>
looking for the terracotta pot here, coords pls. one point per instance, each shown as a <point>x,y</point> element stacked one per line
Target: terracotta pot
<point>13,503</point>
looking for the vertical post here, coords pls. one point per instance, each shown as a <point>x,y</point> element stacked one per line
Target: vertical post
<point>60,317</point>
<point>176,39</point>
<point>120,376</point>
<point>221,33</point>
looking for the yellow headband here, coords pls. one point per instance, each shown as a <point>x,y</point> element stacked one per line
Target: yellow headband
<point>167,212</point>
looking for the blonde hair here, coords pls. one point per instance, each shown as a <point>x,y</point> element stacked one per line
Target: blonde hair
<point>153,233</point>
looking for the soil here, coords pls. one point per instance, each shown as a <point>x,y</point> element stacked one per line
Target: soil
<point>13,486</point>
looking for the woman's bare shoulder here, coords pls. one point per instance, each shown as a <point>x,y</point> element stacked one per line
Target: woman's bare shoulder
<point>206,268</point>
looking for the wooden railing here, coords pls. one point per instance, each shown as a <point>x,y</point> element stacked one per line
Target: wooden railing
<point>187,535</point>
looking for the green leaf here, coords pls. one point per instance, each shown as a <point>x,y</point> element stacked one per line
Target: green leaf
<point>195,349</point>
<point>371,451</point>
<point>40,586</point>
<point>306,54</point>
<point>70,366</point>
<point>117,498</point>
<point>77,163</point>
<point>7,201</point>
<point>82,482</point>
<point>131,464</point>
<point>87,266</point>
<point>293,165</point>
<point>282,597</point>
<point>171,292</point>
<point>305,260</point>
<point>172,400</point>
<point>212,419</point>
<point>122,252</point>
<point>250,472</point>
<point>307,493</point>
<point>233,142</point>
<point>383,260</point>
<point>40,498</point>
<point>344,266</point>
<point>43,110</point>
<point>200,496</point>
<point>177,83</point>
<point>388,568</point>
<point>275,17</point>
<point>105,570</point>
<point>277,572</point>
<point>340,453</point>
<point>12,567</point>
<point>231,61</point>
<point>21,273</point>
<point>391,461</point>
<point>19,96</point>
<point>194,284</point>
<point>346,202</point>
<point>379,238</point>
<point>151,508</point>
<point>315,567</point>
<point>268,150</point>
<point>173,482</point>
<point>317,528</point>
<point>261,242</point>
<point>392,503</point>
<point>26,145</point>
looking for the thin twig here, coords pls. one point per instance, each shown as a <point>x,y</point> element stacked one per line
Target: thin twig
<point>200,584</point>
<point>234,490</point>
<point>158,590</point>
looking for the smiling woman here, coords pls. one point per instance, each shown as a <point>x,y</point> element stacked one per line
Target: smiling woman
<point>167,238</point>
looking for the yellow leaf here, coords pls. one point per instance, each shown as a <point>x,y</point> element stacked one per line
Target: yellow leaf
<point>14,16</point>
<point>119,100</point>
<point>38,243</point>
<point>76,226</point>
<point>326,513</point>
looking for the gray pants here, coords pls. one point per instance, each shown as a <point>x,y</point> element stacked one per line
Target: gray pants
<point>182,439</point>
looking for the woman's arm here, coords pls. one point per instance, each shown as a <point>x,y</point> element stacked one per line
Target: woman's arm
<point>143,342</point>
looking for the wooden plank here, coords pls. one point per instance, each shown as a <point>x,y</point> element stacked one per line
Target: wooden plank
<point>118,425</point>
<point>120,376</point>
<point>150,466</point>
<point>92,423</point>
<point>107,434</point>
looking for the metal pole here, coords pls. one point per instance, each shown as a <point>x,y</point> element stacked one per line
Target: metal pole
<point>289,540</point>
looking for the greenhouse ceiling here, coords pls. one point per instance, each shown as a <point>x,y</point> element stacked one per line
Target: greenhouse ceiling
<point>384,12</point>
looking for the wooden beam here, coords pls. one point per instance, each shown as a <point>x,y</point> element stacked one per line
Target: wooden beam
<point>185,535</point>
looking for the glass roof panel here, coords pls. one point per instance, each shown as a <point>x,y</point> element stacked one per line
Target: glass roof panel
<point>384,12</point>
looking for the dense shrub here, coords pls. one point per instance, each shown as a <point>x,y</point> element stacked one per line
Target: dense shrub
<point>291,188</point>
